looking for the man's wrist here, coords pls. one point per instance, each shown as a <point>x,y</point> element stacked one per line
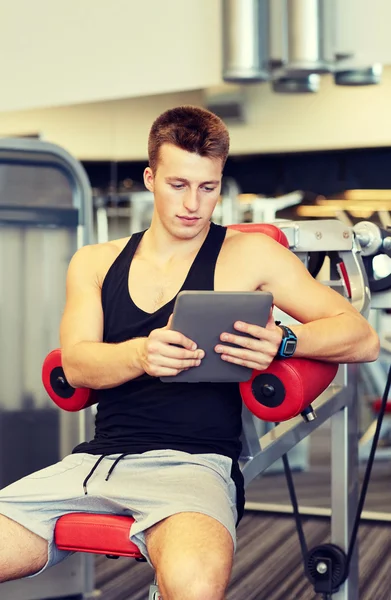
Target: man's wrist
<point>137,354</point>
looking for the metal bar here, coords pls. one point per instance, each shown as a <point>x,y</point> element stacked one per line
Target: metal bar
<point>250,437</point>
<point>286,435</point>
<point>102,224</point>
<point>229,206</point>
<point>28,151</point>
<point>339,404</point>
<point>304,34</point>
<point>312,511</point>
<point>344,482</point>
<point>245,40</point>
<point>311,236</point>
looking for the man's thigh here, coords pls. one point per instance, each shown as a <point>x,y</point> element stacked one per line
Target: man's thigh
<point>188,547</point>
<point>36,501</point>
<point>178,483</point>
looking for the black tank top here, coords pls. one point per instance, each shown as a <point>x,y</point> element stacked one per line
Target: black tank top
<point>145,414</point>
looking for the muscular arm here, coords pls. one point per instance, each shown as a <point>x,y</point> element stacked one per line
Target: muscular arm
<point>87,361</point>
<point>331,328</point>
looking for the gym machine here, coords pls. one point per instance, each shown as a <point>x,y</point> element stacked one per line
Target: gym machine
<point>375,242</point>
<point>310,397</point>
<point>351,275</point>
<point>352,252</point>
<point>45,214</point>
<point>312,242</point>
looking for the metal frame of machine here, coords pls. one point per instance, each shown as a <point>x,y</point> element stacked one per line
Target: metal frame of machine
<point>338,403</point>
<point>76,576</point>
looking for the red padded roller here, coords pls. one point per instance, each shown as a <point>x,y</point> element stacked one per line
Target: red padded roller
<point>286,388</point>
<point>55,383</point>
<point>97,534</point>
<point>266,228</point>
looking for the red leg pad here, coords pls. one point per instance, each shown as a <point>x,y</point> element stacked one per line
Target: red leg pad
<point>286,388</point>
<point>96,534</point>
<point>56,385</point>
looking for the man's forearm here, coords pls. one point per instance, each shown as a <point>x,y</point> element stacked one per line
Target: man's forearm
<point>98,365</point>
<point>344,338</point>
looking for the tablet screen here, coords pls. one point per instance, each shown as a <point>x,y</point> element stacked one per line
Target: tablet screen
<point>203,316</point>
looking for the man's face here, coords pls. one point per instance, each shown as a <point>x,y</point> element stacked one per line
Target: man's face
<point>186,187</point>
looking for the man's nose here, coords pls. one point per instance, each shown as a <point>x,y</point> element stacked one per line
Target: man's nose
<point>191,201</point>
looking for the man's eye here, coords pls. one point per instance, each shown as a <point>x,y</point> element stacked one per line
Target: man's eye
<point>177,186</point>
<point>209,189</point>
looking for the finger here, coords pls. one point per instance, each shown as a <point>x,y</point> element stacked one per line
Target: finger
<point>169,336</point>
<point>169,322</point>
<point>166,372</point>
<point>245,363</point>
<point>248,355</point>
<point>243,341</point>
<point>174,363</point>
<point>235,352</point>
<point>254,330</point>
<point>174,352</point>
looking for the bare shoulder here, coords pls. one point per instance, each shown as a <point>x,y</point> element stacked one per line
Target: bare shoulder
<point>256,258</point>
<point>237,241</point>
<point>94,260</point>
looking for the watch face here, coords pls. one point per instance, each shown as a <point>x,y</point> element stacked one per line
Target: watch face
<point>290,347</point>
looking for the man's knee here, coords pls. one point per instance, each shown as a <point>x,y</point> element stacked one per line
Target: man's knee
<point>194,578</point>
<point>193,555</point>
<point>22,552</point>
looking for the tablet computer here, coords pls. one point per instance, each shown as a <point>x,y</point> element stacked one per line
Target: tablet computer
<point>203,316</point>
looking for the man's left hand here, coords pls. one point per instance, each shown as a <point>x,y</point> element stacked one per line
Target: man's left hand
<point>256,352</point>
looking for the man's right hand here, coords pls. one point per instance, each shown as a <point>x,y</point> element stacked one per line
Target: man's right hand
<point>160,355</point>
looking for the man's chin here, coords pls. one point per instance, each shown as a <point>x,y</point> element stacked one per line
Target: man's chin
<point>189,230</point>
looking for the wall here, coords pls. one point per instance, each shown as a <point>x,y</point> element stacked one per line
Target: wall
<point>363,28</point>
<point>336,117</point>
<point>115,130</point>
<point>58,52</point>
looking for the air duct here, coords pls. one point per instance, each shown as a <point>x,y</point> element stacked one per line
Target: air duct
<point>278,41</point>
<point>245,40</point>
<point>297,85</point>
<point>285,83</point>
<point>353,75</point>
<point>307,51</point>
<point>292,42</point>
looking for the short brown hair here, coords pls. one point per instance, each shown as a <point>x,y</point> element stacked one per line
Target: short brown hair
<point>191,128</point>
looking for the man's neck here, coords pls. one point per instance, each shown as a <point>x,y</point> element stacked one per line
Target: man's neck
<point>160,244</point>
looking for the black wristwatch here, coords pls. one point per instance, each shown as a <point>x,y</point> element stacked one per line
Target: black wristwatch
<point>288,343</point>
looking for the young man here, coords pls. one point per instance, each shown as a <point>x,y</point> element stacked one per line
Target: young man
<point>168,453</point>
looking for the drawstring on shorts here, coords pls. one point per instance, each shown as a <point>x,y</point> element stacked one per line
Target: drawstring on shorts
<point>96,466</point>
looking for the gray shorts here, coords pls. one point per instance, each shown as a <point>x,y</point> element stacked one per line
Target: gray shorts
<point>149,487</point>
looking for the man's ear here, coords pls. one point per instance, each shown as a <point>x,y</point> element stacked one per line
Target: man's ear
<point>149,179</point>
